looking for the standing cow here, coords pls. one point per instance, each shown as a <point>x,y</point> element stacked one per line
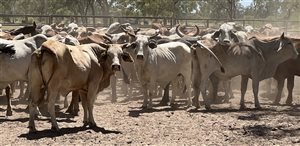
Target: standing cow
<point>59,68</point>
<point>15,60</point>
<point>255,59</point>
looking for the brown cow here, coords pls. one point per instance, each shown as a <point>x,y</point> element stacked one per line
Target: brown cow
<point>62,68</point>
<point>288,69</point>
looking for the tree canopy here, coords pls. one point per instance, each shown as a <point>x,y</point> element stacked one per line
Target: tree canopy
<point>229,9</point>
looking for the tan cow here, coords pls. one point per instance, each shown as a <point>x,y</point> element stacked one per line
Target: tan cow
<point>60,68</point>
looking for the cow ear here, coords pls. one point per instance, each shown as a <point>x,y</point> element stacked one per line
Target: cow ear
<point>234,36</point>
<point>282,36</point>
<point>216,34</point>
<point>129,46</point>
<point>106,46</point>
<point>127,57</point>
<point>152,45</point>
<point>103,57</point>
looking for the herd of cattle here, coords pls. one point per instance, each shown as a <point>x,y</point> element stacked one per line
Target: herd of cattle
<point>56,59</point>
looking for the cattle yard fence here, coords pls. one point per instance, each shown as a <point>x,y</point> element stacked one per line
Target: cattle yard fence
<point>142,22</point>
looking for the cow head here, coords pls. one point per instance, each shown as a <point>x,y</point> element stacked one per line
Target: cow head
<point>139,48</point>
<point>226,34</point>
<point>286,47</point>
<point>113,55</point>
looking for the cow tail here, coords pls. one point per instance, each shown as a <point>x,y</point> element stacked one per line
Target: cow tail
<point>40,58</point>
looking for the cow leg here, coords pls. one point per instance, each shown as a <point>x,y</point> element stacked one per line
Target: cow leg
<point>113,85</point>
<point>244,83</point>
<point>207,101</point>
<point>174,92</point>
<point>255,86</point>
<point>36,95</point>
<point>215,82</point>
<point>74,105</point>
<point>83,97</point>
<point>13,88</point>
<point>51,108</point>
<point>22,87</point>
<point>66,104</point>
<point>188,84</point>
<point>166,96</point>
<point>280,84</point>
<point>196,87</point>
<point>7,92</point>
<point>144,90</point>
<point>290,86</point>
<point>152,91</point>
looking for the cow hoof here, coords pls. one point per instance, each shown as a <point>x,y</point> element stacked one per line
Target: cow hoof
<point>289,102</point>
<point>9,113</point>
<point>54,128</point>
<point>32,130</point>
<point>85,124</point>
<point>163,103</point>
<point>258,107</point>
<point>242,107</point>
<point>92,125</point>
<point>207,107</point>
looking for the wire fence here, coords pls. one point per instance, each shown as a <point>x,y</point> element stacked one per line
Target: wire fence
<point>104,21</point>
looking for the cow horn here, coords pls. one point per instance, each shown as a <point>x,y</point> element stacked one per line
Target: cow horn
<point>107,34</point>
<point>155,35</point>
<point>197,31</point>
<point>178,31</point>
<point>123,29</point>
<point>127,32</point>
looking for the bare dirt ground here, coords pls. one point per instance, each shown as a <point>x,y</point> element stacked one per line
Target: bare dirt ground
<point>125,123</point>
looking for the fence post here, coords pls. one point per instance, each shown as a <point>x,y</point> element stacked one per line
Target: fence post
<point>286,27</point>
<point>207,23</point>
<point>50,19</point>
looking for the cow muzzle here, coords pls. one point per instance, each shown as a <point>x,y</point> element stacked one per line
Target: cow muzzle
<point>116,67</point>
<point>140,57</point>
<point>226,41</point>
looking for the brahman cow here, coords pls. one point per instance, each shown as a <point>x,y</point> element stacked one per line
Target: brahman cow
<point>254,59</point>
<point>59,68</point>
<point>15,60</point>
<point>160,64</point>
<point>288,70</point>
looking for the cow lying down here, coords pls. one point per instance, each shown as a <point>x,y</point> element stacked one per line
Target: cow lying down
<point>59,68</point>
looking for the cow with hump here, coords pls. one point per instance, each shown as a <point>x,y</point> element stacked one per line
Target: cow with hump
<point>253,59</point>
<point>160,64</point>
<point>59,68</point>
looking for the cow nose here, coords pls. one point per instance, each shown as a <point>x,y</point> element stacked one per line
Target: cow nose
<point>140,57</point>
<point>116,67</point>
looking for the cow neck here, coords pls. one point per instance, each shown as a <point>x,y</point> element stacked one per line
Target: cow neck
<point>268,49</point>
<point>272,58</point>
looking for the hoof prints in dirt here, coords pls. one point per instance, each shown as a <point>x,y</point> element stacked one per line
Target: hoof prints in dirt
<point>63,131</point>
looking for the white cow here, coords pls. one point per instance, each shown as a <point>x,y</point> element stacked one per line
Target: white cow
<point>160,64</point>
<point>15,60</point>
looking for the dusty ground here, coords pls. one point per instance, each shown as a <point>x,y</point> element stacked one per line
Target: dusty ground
<point>125,123</point>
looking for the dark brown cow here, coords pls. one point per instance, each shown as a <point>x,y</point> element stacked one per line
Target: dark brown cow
<point>288,70</point>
